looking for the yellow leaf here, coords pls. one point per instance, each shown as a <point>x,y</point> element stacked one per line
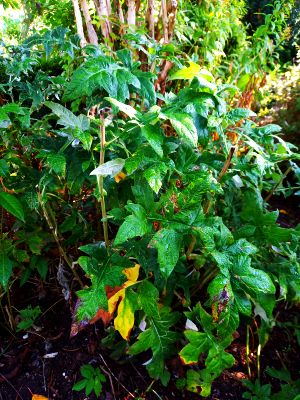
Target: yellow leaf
<point>132,273</point>
<point>125,315</point>
<point>120,176</point>
<point>39,397</point>
<point>124,321</point>
<point>113,301</point>
<point>187,72</point>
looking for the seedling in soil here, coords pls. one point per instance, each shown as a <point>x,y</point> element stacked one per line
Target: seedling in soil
<point>92,380</point>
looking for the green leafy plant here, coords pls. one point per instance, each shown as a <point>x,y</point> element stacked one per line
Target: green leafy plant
<point>257,391</point>
<point>28,317</point>
<point>156,203</point>
<point>289,387</point>
<point>91,382</point>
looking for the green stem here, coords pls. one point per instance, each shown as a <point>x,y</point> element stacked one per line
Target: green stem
<point>248,351</point>
<point>278,184</point>
<point>11,319</point>
<point>49,217</point>
<point>1,221</point>
<point>100,181</point>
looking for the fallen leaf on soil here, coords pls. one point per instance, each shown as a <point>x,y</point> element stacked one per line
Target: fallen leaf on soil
<point>39,397</point>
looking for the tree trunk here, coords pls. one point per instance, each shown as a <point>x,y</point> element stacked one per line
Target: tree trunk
<point>93,39</point>
<point>137,6</point>
<point>102,11</point>
<point>131,14</point>
<point>79,24</point>
<point>108,7</point>
<point>150,18</point>
<point>164,17</point>
<point>172,10</point>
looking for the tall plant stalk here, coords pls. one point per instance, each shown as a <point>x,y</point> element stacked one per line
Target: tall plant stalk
<point>100,179</point>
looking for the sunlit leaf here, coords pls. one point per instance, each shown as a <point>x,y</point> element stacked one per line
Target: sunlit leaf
<point>187,72</point>
<point>113,168</point>
<point>125,108</point>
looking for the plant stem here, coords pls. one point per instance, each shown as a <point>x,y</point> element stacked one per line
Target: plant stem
<point>191,247</point>
<point>226,165</point>
<point>1,222</point>
<point>100,180</point>
<point>258,360</point>
<point>277,184</point>
<point>248,352</point>
<point>48,214</point>
<point>12,322</point>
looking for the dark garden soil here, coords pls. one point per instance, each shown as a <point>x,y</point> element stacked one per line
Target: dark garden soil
<point>46,361</point>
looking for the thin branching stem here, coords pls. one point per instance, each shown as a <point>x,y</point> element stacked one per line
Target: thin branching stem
<point>48,215</point>
<point>278,184</point>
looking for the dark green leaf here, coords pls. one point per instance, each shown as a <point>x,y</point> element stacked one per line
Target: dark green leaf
<point>240,113</point>
<point>154,136</point>
<point>184,126</point>
<point>58,163</point>
<point>168,245</point>
<point>67,118</point>
<point>6,267</point>
<point>12,205</point>
<point>134,225</point>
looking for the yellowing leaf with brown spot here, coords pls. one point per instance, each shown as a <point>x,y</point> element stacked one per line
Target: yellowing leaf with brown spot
<point>124,320</point>
<point>39,397</point>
